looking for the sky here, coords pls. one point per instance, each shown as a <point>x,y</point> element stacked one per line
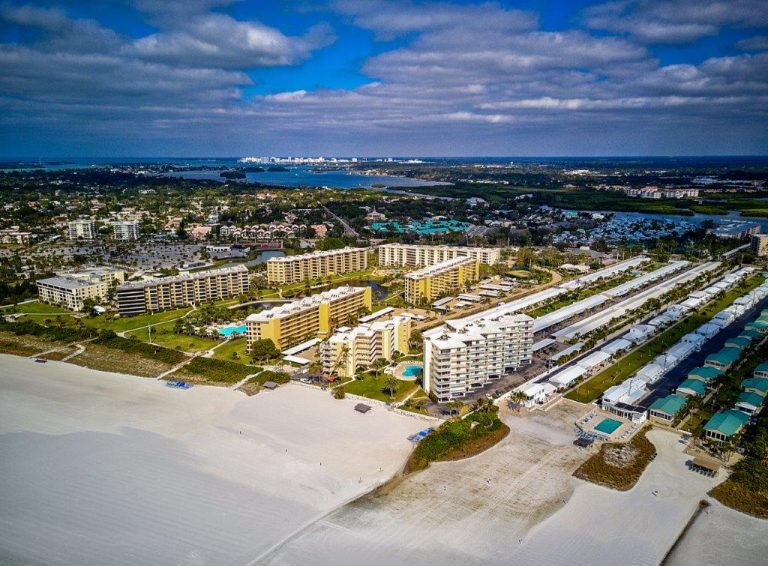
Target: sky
<point>142,78</point>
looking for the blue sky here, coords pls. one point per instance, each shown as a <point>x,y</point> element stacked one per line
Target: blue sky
<point>382,77</point>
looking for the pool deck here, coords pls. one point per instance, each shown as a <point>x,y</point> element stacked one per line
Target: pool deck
<point>589,423</point>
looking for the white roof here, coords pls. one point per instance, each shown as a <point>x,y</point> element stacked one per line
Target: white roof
<point>594,359</point>
<point>617,345</point>
<point>377,314</point>
<point>301,347</point>
<point>567,376</point>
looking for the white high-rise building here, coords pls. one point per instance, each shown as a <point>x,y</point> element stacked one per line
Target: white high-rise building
<point>414,255</point>
<point>82,229</point>
<point>463,356</point>
<point>127,230</point>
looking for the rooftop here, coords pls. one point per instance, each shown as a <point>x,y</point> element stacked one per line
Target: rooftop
<point>441,267</point>
<point>184,277</point>
<point>726,356</point>
<point>727,422</point>
<point>669,405</point>
<point>693,385</point>
<point>313,301</point>
<point>323,253</point>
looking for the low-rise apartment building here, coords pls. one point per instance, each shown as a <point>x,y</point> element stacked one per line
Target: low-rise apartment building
<point>463,356</point>
<point>414,255</point>
<point>126,230</point>
<point>430,283</point>
<point>350,348</point>
<point>81,229</point>
<point>306,267</point>
<point>183,290</point>
<point>310,317</point>
<point>69,290</point>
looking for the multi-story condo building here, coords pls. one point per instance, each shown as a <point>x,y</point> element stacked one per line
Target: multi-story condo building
<point>759,245</point>
<point>361,346</point>
<point>69,290</point>
<point>15,236</point>
<point>464,356</point>
<point>415,255</point>
<point>314,316</point>
<point>428,283</point>
<point>181,290</point>
<point>82,229</point>
<point>126,230</point>
<point>305,267</point>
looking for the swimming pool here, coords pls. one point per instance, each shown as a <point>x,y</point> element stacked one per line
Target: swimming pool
<point>230,330</point>
<point>412,371</point>
<point>608,426</point>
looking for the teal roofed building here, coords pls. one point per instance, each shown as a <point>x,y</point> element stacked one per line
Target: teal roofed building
<point>665,410</point>
<point>691,387</point>
<point>725,424</point>
<point>757,385</point>
<point>749,402</point>
<point>754,334</point>
<point>758,326</point>
<point>761,370</point>
<point>724,359</point>
<point>740,342</point>
<point>707,374</point>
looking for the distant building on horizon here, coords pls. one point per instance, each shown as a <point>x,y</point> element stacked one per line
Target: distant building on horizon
<point>126,230</point>
<point>83,229</point>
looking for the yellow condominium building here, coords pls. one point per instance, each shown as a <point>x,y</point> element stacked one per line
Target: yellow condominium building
<point>307,318</point>
<point>430,283</point>
<point>415,255</point>
<point>361,346</point>
<point>181,290</point>
<point>306,267</point>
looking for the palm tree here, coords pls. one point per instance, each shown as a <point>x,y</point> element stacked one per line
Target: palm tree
<point>391,385</point>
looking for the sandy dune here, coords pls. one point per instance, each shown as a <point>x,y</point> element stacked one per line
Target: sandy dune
<point>103,468</point>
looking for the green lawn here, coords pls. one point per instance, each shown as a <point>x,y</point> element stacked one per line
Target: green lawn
<point>123,324</point>
<point>163,335</point>
<point>36,308</point>
<point>627,366</point>
<point>205,370</point>
<point>373,388</point>
<point>225,351</point>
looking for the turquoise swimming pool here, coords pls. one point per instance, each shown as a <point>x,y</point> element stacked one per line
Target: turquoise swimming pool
<point>608,426</point>
<point>230,330</point>
<point>412,371</point>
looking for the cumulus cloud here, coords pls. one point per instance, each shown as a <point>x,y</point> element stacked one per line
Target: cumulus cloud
<point>461,79</point>
<point>681,21</point>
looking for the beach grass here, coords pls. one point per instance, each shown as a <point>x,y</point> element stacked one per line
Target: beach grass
<point>458,439</point>
<point>619,465</point>
<point>119,361</point>
<point>216,372</point>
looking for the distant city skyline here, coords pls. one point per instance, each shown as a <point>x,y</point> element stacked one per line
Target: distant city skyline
<point>379,78</point>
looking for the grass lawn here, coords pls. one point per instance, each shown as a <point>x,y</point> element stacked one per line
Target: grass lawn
<point>36,308</point>
<point>374,388</point>
<point>163,335</point>
<point>123,324</point>
<point>630,364</point>
<point>236,346</point>
<point>695,424</point>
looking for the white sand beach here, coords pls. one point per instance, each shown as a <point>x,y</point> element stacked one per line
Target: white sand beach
<point>532,511</point>
<point>103,468</point>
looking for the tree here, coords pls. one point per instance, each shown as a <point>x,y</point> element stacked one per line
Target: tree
<point>339,393</point>
<point>264,349</point>
<point>390,385</point>
<point>89,306</point>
